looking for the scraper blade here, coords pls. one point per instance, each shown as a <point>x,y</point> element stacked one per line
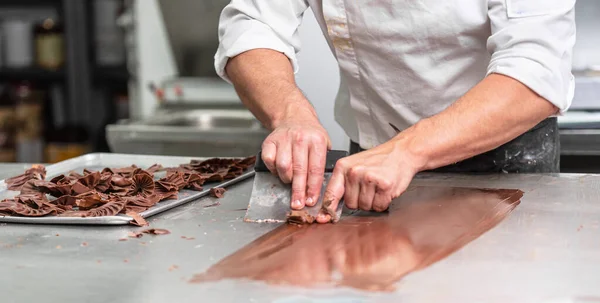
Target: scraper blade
<point>270,200</point>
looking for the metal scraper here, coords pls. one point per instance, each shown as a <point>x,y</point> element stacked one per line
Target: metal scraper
<point>270,200</point>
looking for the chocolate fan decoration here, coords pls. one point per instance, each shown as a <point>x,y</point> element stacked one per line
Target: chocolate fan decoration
<point>113,190</point>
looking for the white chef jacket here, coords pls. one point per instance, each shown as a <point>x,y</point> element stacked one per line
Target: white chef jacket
<point>404,60</point>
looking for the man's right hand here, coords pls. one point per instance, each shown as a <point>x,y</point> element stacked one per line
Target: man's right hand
<point>296,151</point>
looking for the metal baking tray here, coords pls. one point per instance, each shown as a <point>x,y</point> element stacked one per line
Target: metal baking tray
<point>98,161</point>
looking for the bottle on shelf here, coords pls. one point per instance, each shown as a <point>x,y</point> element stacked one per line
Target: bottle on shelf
<point>30,121</point>
<point>49,44</point>
<point>7,126</point>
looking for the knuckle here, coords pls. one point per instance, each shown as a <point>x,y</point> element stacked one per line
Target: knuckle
<point>283,164</point>
<point>353,173</point>
<point>268,158</point>
<point>299,137</point>
<point>384,184</point>
<point>318,139</point>
<point>341,164</point>
<point>370,178</point>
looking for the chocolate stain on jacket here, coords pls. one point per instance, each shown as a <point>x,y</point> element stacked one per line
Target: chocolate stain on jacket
<point>367,251</point>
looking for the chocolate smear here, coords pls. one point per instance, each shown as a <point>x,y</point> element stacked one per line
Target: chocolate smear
<point>370,251</point>
<point>217,192</point>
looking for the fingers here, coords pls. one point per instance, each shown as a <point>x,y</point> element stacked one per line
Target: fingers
<point>352,187</point>
<point>333,193</point>
<point>383,195</point>
<point>367,192</point>
<point>283,162</point>
<point>316,170</point>
<point>269,154</point>
<point>299,170</point>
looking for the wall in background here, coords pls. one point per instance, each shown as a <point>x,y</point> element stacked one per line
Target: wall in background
<point>587,47</point>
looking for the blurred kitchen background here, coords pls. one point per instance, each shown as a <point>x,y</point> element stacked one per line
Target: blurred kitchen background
<point>137,76</point>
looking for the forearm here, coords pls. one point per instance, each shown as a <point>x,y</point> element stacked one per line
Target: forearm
<point>494,112</point>
<point>265,82</point>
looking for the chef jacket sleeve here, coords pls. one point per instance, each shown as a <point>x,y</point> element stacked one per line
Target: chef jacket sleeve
<point>270,24</point>
<point>532,42</point>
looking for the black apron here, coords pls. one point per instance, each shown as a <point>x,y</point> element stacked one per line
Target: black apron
<point>536,151</point>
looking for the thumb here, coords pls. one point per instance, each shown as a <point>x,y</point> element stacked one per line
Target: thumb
<point>333,194</point>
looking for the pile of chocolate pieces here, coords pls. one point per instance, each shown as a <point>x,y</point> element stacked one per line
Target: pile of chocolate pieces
<point>127,190</point>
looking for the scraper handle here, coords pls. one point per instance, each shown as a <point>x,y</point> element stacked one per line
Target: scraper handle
<point>332,157</point>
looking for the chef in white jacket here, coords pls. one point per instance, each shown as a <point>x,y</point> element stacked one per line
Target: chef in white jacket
<point>454,86</point>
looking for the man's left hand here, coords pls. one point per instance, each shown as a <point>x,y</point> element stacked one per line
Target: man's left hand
<point>370,180</point>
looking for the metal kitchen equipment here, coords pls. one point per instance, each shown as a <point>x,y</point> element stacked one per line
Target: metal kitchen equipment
<point>98,161</point>
<point>270,200</point>
<point>179,106</point>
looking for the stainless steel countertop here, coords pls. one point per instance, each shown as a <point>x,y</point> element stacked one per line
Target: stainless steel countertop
<point>548,250</point>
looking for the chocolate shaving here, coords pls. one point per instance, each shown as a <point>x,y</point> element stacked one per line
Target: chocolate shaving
<point>300,217</point>
<point>89,201</point>
<point>217,192</point>
<point>125,171</point>
<point>137,219</point>
<point>143,185</point>
<point>108,209</point>
<point>133,208</point>
<point>213,204</point>
<point>332,214</point>
<point>150,231</point>
<point>176,178</point>
<point>13,207</point>
<point>65,200</point>
<point>154,168</point>
<point>194,182</point>
<point>129,190</point>
<point>36,172</point>
<point>36,200</point>
<point>146,202</point>
<point>51,188</point>
<point>29,187</point>
<point>156,231</point>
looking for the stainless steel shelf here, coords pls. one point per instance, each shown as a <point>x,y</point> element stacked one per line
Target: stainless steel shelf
<point>580,142</point>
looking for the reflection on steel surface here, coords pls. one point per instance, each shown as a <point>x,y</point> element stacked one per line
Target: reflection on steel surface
<point>371,251</point>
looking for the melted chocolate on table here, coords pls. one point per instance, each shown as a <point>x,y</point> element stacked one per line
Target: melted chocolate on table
<point>371,251</point>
